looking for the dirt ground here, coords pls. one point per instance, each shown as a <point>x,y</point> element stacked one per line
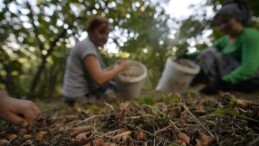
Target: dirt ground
<point>154,119</point>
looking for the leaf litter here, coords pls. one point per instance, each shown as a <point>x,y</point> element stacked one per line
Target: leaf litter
<point>166,119</point>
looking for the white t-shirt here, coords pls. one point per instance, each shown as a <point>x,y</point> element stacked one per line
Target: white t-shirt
<point>77,81</point>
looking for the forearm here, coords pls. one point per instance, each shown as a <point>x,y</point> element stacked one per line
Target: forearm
<point>107,75</point>
<point>108,68</point>
<point>249,64</point>
<point>240,74</point>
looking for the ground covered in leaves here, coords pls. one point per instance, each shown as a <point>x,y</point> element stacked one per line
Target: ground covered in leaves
<point>153,120</point>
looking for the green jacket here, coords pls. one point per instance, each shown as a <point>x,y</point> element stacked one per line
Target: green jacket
<point>246,50</point>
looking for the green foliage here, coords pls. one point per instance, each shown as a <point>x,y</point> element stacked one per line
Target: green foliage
<point>2,123</point>
<point>44,33</point>
<point>171,98</point>
<point>35,38</point>
<point>223,111</point>
<point>146,100</point>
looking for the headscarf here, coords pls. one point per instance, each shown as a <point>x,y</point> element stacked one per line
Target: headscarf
<point>237,9</point>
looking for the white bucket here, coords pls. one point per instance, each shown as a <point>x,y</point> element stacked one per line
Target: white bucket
<point>130,81</point>
<point>177,77</point>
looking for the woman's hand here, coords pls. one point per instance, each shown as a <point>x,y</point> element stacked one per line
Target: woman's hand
<point>123,64</point>
<point>101,76</point>
<point>19,112</point>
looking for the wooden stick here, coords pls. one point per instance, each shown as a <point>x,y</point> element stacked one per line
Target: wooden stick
<point>88,119</point>
<point>163,115</point>
<point>197,121</point>
<point>157,137</point>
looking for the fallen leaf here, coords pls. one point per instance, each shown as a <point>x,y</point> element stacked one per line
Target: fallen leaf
<point>180,143</point>
<point>81,137</point>
<point>98,141</point>
<point>23,131</point>
<point>3,142</point>
<point>11,136</point>
<point>27,143</point>
<point>141,135</point>
<point>69,118</point>
<point>78,130</point>
<point>27,136</point>
<point>122,137</point>
<point>124,105</point>
<point>41,135</point>
<point>184,137</point>
<point>205,139</point>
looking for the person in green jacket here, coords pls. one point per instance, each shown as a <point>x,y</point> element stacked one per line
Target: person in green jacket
<point>232,64</point>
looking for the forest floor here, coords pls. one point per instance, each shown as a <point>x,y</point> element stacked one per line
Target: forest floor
<point>154,119</point>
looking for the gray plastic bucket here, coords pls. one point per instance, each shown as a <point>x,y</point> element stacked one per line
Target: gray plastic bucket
<point>130,81</point>
<point>177,77</point>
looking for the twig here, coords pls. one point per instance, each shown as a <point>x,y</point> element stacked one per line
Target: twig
<point>254,142</point>
<point>163,115</point>
<point>109,105</point>
<point>163,129</point>
<point>247,102</point>
<point>145,144</point>
<point>155,109</point>
<point>157,137</point>
<point>112,132</point>
<point>175,126</point>
<point>247,118</point>
<point>73,122</point>
<point>88,119</point>
<point>137,117</point>
<point>197,121</point>
<point>122,134</point>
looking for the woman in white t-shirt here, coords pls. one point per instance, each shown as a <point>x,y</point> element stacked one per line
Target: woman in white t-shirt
<point>86,74</point>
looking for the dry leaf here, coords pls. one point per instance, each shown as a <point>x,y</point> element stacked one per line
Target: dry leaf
<point>180,143</point>
<point>98,141</point>
<point>41,135</point>
<point>200,108</point>
<point>198,142</point>
<point>27,136</point>
<point>27,143</point>
<point>23,131</point>
<point>81,137</point>
<point>122,137</point>
<point>141,135</point>
<point>78,130</point>
<point>106,144</point>
<point>184,137</point>
<point>69,118</point>
<point>113,144</point>
<point>11,136</point>
<point>88,144</point>
<point>123,106</point>
<point>3,142</point>
<point>243,103</point>
<point>205,139</point>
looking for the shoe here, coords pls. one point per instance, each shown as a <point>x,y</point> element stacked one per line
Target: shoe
<point>69,101</point>
<point>200,78</point>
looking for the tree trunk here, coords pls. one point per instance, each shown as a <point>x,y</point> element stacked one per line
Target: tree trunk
<point>41,68</point>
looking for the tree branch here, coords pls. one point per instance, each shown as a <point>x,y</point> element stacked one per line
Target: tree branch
<point>44,59</point>
<point>36,33</point>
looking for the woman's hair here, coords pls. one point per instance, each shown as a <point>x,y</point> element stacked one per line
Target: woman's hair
<point>94,22</point>
<point>237,9</point>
